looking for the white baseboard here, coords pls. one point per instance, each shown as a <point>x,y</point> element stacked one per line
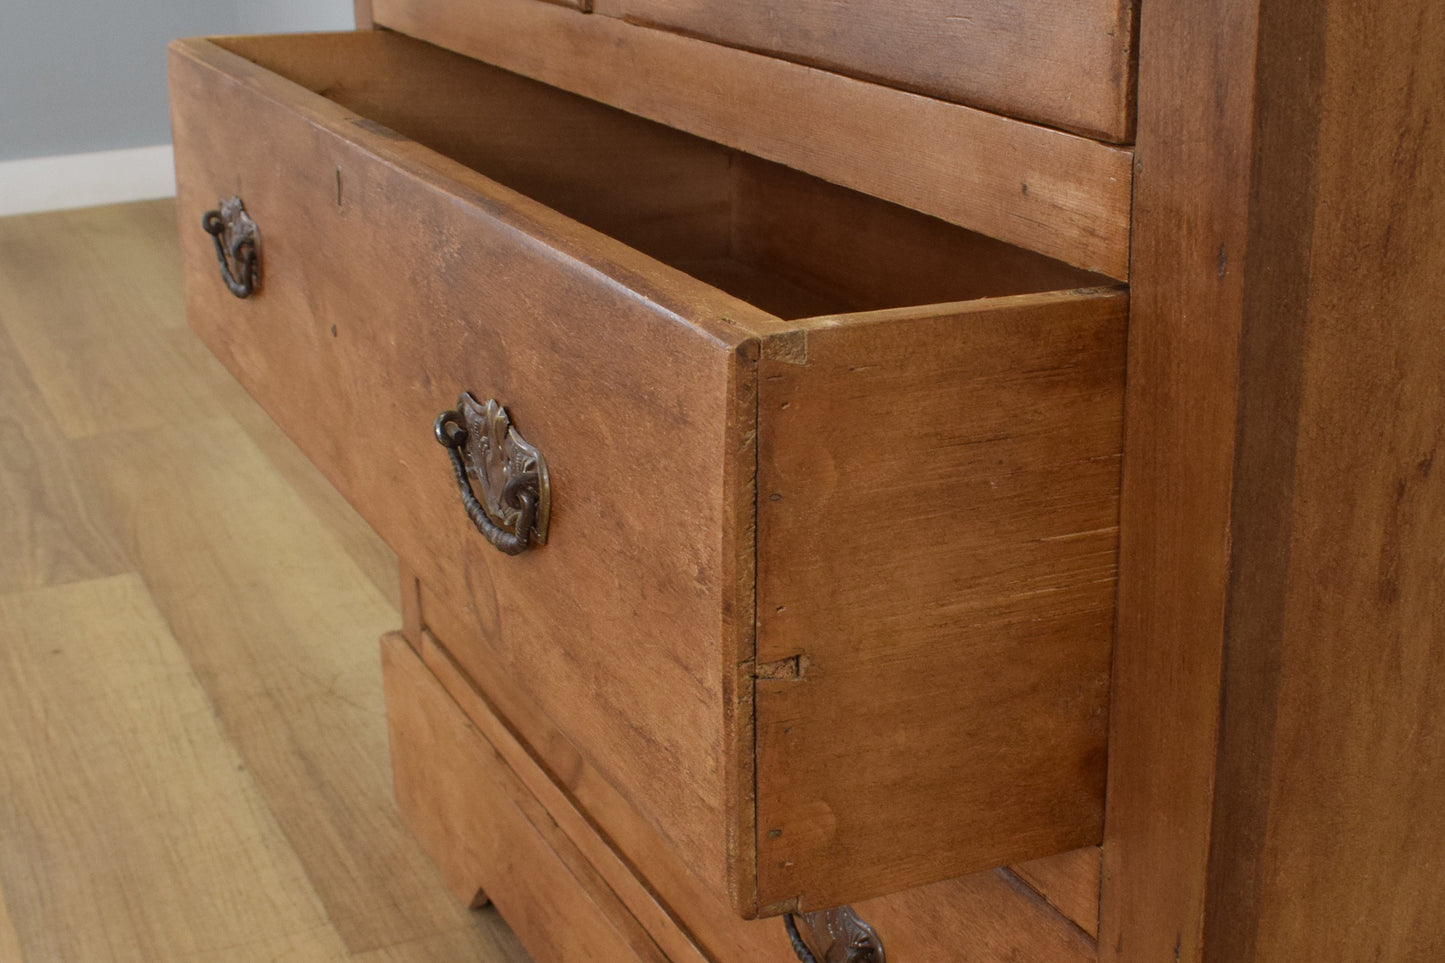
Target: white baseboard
<point>85,180</point>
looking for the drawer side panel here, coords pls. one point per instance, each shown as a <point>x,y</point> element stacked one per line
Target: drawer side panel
<point>937,548</point>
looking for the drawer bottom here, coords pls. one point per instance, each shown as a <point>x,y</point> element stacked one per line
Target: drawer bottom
<point>489,836</point>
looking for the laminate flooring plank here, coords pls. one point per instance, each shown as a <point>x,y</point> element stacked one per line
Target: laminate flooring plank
<point>94,296</point>
<point>82,294</point>
<point>456,947</point>
<point>50,532</point>
<point>280,627</point>
<point>9,939</point>
<point>130,829</point>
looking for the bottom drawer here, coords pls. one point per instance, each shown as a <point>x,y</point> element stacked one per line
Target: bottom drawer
<point>989,917</point>
<point>489,835</point>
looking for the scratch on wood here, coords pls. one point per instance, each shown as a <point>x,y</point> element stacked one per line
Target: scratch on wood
<point>1108,530</point>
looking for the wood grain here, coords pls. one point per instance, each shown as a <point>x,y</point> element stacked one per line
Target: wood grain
<point>869,255</point>
<point>1061,63</point>
<point>164,865</point>
<point>936,553</point>
<point>784,241</point>
<point>1280,592</point>
<point>594,814</point>
<point>983,918</point>
<point>9,939</point>
<point>93,373</point>
<point>48,523</point>
<point>365,549</point>
<point>1052,192</point>
<point>654,188</point>
<point>640,898</point>
<point>194,538</point>
<point>1070,884</point>
<point>1191,217</point>
<point>484,827</point>
<point>995,918</point>
<point>1331,813</point>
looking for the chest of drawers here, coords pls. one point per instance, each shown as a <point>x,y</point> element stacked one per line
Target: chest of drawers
<point>768,564</point>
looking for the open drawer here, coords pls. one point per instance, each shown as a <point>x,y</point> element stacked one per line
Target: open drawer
<point>827,584</point>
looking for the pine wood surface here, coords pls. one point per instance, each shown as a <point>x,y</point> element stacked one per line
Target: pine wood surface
<point>1194,147</point>
<point>193,753</point>
<point>1062,194</point>
<point>561,801</point>
<point>948,712</point>
<point>1328,837</point>
<point>489,834</point>
<point>990,913</point>
<point>1064,63</point>
<point>1275,786</point>
<point>1070,883</point>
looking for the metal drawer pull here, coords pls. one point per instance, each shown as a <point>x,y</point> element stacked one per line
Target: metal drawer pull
<point>237,242</point>
<point>516,500</point>
<point>840,935</point>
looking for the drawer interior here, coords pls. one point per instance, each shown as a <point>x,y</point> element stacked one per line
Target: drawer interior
<point>789,243</point>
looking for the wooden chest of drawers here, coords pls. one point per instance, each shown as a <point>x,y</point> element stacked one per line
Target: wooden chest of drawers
<point>782,557</point>
<point>780,348</point>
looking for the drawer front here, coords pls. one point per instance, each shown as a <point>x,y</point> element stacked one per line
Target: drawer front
<point>1064,63</point>
<point>983,918</point>
<point>938,704</point>
<point>387,289</point>
<point>488,835</point>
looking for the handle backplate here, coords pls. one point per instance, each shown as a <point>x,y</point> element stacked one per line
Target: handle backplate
<point>238,246</point>
<point>835,935</point>
<point>503,480</point>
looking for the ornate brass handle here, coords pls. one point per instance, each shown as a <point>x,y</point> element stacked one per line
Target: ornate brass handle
<point>516,502</point>
<point>237,239</point>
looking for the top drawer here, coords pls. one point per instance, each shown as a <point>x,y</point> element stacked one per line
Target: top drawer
<point>827,599</point>
<point>1065,63</point>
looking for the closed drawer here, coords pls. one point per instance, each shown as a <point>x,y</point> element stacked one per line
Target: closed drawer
<point>489,836</point>
<point>988,917</point>
<point>827,589</point>
<point>1065,63</point>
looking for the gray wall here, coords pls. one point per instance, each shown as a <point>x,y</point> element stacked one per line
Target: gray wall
<point>292,16</point>
<point>88,75</point>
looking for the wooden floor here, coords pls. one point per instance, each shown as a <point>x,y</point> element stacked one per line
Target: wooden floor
<point>193,758</point>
